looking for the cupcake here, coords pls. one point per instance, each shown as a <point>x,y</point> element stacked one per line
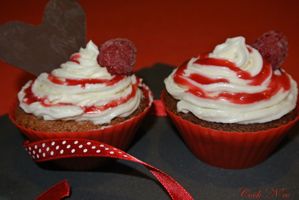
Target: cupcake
<point>233,105</point>
<point>94,95</point>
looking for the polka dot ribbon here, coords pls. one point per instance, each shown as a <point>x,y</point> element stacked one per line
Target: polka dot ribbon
<point>46,150</point>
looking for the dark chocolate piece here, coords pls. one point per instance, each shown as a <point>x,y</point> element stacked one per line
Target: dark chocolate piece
<point>44,47</point>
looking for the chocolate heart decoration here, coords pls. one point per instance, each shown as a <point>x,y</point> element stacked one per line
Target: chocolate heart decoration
<point>44,47</point>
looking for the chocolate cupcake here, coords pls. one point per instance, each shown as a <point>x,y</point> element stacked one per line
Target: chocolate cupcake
<point>231,106</point>
<point>85,99</point>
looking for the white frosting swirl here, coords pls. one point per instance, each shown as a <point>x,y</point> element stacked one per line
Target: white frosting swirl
<point>220,109</point>
<point>235,50</point>
<point>68,102</point>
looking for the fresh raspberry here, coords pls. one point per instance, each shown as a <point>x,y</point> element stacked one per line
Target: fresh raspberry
<point>118,56</point>
<point>273,46</point>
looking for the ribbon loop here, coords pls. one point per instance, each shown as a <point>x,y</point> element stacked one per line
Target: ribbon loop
<point>46,150</point>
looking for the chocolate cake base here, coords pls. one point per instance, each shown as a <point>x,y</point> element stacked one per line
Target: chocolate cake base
<point>171,103</point>
<point>32,122</point>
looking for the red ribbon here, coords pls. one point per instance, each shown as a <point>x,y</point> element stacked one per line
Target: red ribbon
<point>46,150</point>
<point>56,192</point>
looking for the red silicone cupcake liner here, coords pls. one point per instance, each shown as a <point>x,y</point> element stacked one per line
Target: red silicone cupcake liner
<point>231,150</point>
<point>118,135</point>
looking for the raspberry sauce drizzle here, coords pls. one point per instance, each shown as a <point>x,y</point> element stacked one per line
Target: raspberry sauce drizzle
<point>224,63</point>
<point>84,82</point>
<point>277,82</point>
<point>112,104</point>
<point>75,58</point>
<point>30,98</point>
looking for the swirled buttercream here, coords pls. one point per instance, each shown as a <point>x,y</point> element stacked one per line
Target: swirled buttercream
<point>232,84</point>
<point>81,89</point>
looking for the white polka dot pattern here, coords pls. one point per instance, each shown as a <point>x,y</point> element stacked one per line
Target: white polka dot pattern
<point>47,150</point>
<point>73,148</point>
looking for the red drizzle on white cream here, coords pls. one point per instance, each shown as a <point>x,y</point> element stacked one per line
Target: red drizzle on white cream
<point>81,90</point>
<point>232,85</point>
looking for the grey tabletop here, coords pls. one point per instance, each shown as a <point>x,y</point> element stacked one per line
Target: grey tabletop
<point>158,143</point>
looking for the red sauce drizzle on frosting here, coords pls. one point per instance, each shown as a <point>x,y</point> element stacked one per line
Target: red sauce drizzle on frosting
<point>112,104</point>
<point>277,82</point>
<point>75,58</point>
<point>30,98</point>
<point>83,82</point>
<point>224,63</point>
<point>205,80</point>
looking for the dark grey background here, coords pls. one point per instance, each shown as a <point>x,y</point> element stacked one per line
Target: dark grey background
<point>159,144</point>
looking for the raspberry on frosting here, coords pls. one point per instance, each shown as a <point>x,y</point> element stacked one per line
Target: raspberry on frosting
<point>273,46</point>
<point>118,56</point>
<point>81,90</point>
<point>233,84</point>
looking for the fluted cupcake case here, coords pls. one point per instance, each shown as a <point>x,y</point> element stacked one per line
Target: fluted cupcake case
<point>232,150</point>
<point>118,135</point>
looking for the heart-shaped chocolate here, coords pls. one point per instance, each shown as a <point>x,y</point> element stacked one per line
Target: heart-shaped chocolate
<point>44,47</point>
